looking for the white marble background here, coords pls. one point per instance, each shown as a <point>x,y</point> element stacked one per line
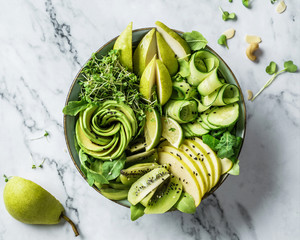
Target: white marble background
<point>42,46</point>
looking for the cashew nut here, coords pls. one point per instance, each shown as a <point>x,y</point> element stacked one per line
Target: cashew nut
<point>252,39</point>
<point>229,33</point>
<point>250,94</point>
<point>281,7</point>
<point>250,51</point>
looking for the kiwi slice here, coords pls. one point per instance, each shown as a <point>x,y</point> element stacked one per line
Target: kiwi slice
<point>165,198</point>
<point>143,157</point>
<point>145,184</point>
<point>114,194</point>
<point>146,199</point>
<point>130,175</point>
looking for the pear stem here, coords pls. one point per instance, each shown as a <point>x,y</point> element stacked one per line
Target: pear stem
<point>72,224</point>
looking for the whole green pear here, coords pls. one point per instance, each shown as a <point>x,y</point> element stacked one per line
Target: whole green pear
<point>29,203</point>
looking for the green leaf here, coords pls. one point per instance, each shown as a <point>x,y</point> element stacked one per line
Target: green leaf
<point>226,146</point>
<point>223,40</point>
<point>230,1</point>
<point>272,68</point>
<point>137,211</point>
<point>195,40</point>
<point>184,68</point>
<point>273,1</point>
<point>290,66</point>
<point>210,141</point>
<point>226,15</point>
<point>246,3</point>
<point>74,107</point>
<point>186,203</point>
<point>235,170</point>
<point>111,169</point>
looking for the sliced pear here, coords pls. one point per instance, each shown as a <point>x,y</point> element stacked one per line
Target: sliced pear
<point>190,163</point>
<point>177,43</point>
<point>144,52</point>
<point>192,154</point>
<point>210,154</point>
<point>226,165</point>
<point>185,175</point>
<point>124,43</point>
<point>166,54</point>
<point>163,82</point>
<point>148,79</point>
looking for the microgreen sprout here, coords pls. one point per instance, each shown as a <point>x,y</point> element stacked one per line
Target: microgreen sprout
<point>273,1</point>
<point>6,178</point>
<point>223,41</point>
<point>226,15</point>
<point>172,129</point>
<point>246,3</point>
<point>46,134</point>
<point>289,66</point>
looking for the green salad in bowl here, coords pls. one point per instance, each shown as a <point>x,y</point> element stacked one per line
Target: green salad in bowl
<point>155,120</point>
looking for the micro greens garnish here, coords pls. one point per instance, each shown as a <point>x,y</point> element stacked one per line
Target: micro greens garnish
<point>273,1</point>
<point>226,15</point>
<point>230,1</point>
<point>246,3</point>
<point>289,66</point>
<point>172,129</point>
<point>5,178</point>
<point>223,41</point>
<point>106,79</point>
<point>46,134</point>
<point>41,165</point>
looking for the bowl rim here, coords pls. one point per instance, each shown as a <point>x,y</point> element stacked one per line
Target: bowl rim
<point>75,80</point>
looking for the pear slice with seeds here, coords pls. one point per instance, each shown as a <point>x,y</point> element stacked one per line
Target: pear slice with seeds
<point>185,175</point>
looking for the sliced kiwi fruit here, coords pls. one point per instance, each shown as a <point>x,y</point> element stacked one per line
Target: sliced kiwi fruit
<point>165,198</point>
<point>144,157</point>
<point>129,175</point>
<point>145,184</point>
<point>146,199</point>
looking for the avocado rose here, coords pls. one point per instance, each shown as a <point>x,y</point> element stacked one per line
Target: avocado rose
<point>104,131</point>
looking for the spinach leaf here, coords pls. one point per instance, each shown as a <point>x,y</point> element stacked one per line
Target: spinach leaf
<point>210,141</point>
<point>111,169</point>
<point>227,146</point>
<point>223,41</point>
<point>74,107</point>
<point>195,40</point>
<point>235,170</point>
<point>137,211</point>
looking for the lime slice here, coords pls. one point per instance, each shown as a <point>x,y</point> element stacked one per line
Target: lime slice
<point>152,129</point>
<point>172,131</point>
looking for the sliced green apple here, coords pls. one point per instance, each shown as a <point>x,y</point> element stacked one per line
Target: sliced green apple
<point>166,54</point>
<point>163,82</point>
<point>185,175</point>
<point>211,155</point>
<point>144,52</point>
<point>124,43</point>
<point>226,165</point>
<point>190,163</point>
<point>148,79</point>
<point>177,43</point>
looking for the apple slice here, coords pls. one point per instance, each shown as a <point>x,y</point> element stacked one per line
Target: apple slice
<point>226,165</point>
<point>177,43</point>
<point>148,79</point>
<point>166,54</point>
<point>163,82</point>
<point>210,155</point>
<point>192,154</point>
<point>124,43</point>
<point>144,52</point>
<point>190,163</point>
<point>185,175</point>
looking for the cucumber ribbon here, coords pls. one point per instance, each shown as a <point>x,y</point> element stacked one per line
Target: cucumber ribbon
<point>182,111</point>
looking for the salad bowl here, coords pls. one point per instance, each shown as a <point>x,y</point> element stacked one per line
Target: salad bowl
<point>75,89</point>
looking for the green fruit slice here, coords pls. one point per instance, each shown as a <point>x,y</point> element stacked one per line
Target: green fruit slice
<point>186,203</point>
<point>177,43</point>
<point>129,175</point>
<point>148,79</point>
<point>227,164</point>
<point>124,43</point>
<point>172,131</point>
<point>185,175</point>
<point>164,199</point>
<point>152,128</point>
<point>146,199</point>
<point>143,157</point>
<point>114,194</point>
<point>166,54</point>
<point>144,52</point>
<point>163,82</point>
<point>144,185</point>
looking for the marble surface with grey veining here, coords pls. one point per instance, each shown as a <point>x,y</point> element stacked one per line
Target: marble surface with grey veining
<point>44,43</point>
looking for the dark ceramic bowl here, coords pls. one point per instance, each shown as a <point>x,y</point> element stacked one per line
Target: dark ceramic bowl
<point>137,35</point>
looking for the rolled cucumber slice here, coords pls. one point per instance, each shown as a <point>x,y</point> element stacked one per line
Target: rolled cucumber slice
<point>210,84</point>
<point>224,116</point>
<point>182,90</point>
<point>202,64</point>
<point>204,119</point>
<point>194,129</point>
<point>182,111</point>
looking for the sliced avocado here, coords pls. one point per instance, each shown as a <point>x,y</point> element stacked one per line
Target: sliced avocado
<point>144,185</point>
<point>129,175</point>
<point>165,199</point>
